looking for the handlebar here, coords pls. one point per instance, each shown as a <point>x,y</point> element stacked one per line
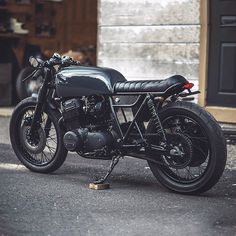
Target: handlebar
<point>56,59</point>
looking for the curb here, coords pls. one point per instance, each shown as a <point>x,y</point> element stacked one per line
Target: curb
<point>6,111</point>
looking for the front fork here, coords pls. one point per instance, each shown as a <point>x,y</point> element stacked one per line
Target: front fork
<point>42,97</point>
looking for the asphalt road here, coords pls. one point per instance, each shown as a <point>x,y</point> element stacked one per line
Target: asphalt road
<point>62,204</point>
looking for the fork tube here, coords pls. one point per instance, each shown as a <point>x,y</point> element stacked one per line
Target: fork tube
<point>39,107</point>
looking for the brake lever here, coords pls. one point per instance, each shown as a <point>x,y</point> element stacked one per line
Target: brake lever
<point>29,76</point>
<point>34,75</point>
<point>37,73</point>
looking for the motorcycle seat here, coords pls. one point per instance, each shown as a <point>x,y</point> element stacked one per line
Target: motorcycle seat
<point>171,84</point>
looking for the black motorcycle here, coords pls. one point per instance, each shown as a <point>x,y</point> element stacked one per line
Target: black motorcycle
<point>82,109</point>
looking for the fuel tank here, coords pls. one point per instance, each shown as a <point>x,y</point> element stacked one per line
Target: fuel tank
<point>76,81</point>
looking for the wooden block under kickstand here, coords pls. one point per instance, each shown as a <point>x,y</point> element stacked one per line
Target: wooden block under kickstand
<point>99,186</point>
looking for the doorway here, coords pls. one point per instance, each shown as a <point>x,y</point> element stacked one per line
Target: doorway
<point>222,54</point>
<point>217,72</point>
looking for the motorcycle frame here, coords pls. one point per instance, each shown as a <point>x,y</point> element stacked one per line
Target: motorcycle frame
<point>142,98</point>
<point>126,148</point>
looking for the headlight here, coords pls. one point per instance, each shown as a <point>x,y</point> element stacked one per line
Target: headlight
<point>33,62</point>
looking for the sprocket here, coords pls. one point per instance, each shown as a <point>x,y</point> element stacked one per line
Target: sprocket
<point>179,149</point>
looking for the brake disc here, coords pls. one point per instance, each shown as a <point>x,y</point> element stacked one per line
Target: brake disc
<point>34,145</point>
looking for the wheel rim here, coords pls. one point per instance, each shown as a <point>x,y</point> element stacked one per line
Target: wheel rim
<point>184,125</point>
<point>49,150</point>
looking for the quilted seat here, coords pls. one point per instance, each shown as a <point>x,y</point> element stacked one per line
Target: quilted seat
<point>154,86</point>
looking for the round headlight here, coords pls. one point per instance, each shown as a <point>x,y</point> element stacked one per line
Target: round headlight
<point>33,62</point>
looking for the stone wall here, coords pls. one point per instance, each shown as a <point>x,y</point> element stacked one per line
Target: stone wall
<point>149,39</point>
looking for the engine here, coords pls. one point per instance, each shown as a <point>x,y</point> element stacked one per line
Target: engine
<point>88,123</point>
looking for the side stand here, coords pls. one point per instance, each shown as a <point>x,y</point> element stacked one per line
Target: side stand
<point>99,184</point>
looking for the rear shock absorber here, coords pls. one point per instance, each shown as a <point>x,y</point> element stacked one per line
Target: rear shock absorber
<point>155,117</point>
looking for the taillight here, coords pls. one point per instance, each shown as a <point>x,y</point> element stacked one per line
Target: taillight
<point>188,86</point>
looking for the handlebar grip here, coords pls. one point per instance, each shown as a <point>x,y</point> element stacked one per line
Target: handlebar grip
<point>56,59</point>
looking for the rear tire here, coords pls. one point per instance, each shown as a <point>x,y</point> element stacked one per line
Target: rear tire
<point>216,146</point>
<point>56,154</point>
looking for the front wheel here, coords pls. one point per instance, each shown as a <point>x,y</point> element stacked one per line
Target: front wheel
<point>195,134</point>
<point>45,152</point>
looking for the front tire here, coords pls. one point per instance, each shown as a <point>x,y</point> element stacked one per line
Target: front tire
<point>48,153</point>
<point>209,148</point>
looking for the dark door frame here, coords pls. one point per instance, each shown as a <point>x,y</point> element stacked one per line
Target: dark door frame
<point>222,114</point>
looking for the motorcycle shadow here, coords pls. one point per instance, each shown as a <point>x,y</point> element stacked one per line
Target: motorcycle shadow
<point>132,173</point>
<point>128,173</point>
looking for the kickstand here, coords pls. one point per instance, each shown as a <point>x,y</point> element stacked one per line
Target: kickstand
<point>114,162</point>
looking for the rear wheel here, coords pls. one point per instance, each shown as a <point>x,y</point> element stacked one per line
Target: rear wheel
<point>45,152</point>
<point>196,135</point>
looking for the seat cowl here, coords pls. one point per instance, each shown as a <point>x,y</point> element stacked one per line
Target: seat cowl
<point>170,85</point>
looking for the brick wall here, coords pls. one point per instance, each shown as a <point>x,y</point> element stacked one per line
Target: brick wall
<point>149,39</point>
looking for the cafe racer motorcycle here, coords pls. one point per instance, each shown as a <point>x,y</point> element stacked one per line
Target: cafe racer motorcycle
<point>82,109</point>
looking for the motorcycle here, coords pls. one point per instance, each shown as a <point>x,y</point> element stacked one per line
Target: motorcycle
<point>80,109</point>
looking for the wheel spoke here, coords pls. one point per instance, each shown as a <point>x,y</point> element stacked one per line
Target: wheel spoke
<point>46,157</point>
<point>201,139</point>
<point>52,139</point>
<point>188,127</point>
<point>200,150</point>
<point>189,172</point>
<point>50,148</point>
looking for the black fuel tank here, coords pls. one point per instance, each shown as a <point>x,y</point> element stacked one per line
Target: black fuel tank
<point>76,81</point>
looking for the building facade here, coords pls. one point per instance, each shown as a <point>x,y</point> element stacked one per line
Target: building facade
<point>154,39</point>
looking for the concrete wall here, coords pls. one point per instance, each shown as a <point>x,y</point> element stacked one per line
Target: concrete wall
<point>149,39</point>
